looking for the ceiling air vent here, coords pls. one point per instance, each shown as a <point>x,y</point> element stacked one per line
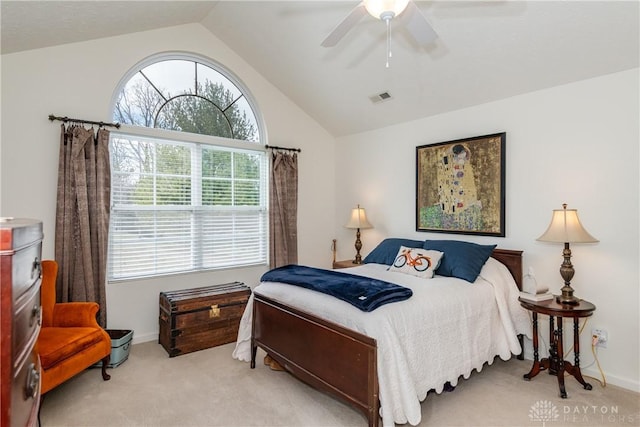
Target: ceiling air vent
<point>384,96</point>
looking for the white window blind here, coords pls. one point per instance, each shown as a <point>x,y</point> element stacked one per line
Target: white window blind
<point>184,206</point>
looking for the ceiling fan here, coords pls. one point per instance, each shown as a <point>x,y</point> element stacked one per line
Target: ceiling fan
<point>405,11</point>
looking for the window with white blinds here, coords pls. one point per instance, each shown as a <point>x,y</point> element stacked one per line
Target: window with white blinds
<point>181,206</point>
<point>191,193</point>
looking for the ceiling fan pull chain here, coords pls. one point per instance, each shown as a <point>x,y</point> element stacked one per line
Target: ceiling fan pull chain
<point>388,21</point>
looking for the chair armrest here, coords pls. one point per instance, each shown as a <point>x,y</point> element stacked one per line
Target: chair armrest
<point>75,314</point>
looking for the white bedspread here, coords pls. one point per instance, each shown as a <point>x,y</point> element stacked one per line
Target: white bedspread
<point>448,328</point>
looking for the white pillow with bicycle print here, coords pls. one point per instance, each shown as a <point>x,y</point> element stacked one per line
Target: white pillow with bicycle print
<point>417,262</point>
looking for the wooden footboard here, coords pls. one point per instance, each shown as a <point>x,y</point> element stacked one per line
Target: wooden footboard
<point>325,355</point>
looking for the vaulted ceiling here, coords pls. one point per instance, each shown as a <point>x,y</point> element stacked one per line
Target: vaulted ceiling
<point>486,50</point>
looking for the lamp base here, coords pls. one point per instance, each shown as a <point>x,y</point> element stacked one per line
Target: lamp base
<point>567,297</point>
<point>358,246</point>
<point>567,272</point>
<point>567,301</point>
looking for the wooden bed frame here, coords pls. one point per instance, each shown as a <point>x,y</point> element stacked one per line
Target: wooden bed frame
<point>299,341</point>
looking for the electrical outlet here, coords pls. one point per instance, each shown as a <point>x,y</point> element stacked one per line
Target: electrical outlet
<point>600,336</point>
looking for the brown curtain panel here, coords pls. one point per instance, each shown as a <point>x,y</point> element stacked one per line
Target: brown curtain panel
<point>283,209</point>
<point>82,216</point>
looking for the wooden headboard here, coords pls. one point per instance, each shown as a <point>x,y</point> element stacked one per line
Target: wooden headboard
<point>513,261</point>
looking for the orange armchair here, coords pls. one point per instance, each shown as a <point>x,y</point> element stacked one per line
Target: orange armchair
<point>70,339</point>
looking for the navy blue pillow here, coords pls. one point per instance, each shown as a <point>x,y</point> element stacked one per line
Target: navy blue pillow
<point>387,250</point>
<point>461,259</point>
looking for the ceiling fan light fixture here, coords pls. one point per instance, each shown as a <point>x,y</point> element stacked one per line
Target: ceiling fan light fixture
<point>385,9</point>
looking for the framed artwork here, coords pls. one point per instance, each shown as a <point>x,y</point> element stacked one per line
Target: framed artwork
<point>460,186</point>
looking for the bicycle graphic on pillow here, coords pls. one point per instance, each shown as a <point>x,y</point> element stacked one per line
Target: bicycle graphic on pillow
<point>419,262</point>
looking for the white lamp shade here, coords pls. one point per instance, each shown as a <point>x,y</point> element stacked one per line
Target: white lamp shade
<point>378,8</point>
<point>358,219</point>
<point>565,227</point>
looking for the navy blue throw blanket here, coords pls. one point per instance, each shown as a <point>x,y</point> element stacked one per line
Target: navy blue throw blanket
<point>362,292</point>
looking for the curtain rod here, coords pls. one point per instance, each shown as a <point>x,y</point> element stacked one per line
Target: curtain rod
<point>90,122</point>
<point>273,147</point>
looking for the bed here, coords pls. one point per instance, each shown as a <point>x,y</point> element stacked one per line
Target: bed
<point>378,362</point>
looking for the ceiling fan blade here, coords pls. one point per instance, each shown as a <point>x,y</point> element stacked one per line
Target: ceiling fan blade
<point>417,25</point>
<point>343,27</point>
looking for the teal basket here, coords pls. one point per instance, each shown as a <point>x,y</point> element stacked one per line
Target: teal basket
<point>120,346</point>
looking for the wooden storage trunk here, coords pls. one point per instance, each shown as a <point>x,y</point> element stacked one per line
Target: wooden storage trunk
<point>199,318</point>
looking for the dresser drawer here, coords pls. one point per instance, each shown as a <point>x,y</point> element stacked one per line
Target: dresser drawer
<point>26,269</point>
<point>25,391</point>
<point>26,322</point>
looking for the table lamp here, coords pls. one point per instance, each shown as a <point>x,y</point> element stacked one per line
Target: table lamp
<point>358,220</point>
<point>566,228</point>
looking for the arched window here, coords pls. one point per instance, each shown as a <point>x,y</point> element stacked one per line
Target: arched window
<point>187,96</point>
<point>188,171</point>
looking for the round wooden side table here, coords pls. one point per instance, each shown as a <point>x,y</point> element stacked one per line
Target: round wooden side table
<point>555,363</point>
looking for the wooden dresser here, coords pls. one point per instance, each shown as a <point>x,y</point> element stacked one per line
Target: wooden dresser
<point>20,318</point>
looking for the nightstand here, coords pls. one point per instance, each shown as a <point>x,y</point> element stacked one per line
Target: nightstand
<point>344,264</point>
<point>555,363</point>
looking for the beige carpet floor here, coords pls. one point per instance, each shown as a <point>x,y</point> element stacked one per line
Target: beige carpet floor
<point>209,388</point>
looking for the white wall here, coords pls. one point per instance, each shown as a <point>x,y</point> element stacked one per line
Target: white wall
<point>78,80</point>
<point>575,144</point>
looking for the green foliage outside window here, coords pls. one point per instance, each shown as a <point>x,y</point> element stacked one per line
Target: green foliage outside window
<point>207,108</point>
